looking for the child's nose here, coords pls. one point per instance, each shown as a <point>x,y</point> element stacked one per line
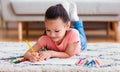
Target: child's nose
<point>52,34</point>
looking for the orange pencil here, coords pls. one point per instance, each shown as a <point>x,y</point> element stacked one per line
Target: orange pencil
<point>97,62</point>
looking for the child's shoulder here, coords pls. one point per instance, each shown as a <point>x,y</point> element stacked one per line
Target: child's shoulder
<point>72,30</point>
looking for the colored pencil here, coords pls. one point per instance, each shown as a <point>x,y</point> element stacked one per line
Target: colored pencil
<point>30,46</point>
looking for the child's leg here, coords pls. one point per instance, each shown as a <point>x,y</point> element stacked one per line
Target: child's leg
<point>79,26</point>
<point>77,23</point>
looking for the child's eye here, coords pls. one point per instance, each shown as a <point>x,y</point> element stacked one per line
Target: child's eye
<point>57,31</point>
<point>48,30</point>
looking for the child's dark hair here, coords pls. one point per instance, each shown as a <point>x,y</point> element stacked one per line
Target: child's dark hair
<point>57,11</point>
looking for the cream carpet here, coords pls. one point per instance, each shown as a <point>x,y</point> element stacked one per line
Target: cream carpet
<point>108,55</point>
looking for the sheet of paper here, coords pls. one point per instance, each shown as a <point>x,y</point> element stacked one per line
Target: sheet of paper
<point>67,61</point>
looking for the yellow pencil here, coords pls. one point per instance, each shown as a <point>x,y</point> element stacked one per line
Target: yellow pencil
<point>30,46</point>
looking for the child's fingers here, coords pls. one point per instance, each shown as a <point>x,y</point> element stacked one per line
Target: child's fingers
<point>41,57</point>
<point>34,57</point>
<point>32,60</point>
<point>35,53</point>
<point>44,55</point>
<point>47,58</point>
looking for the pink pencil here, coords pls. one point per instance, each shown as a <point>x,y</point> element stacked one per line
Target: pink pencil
<point>79,61</point>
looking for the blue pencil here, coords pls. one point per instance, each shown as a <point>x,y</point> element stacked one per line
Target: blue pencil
<point>11,58</point>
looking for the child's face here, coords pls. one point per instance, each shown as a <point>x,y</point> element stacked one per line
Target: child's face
<point>56,29</point>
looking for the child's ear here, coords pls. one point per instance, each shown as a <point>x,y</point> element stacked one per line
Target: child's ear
<point>68,25</point>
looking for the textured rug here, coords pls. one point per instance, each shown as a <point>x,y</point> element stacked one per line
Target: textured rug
<point>107,54</point>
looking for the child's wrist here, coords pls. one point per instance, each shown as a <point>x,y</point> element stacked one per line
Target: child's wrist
<point>51,53</point>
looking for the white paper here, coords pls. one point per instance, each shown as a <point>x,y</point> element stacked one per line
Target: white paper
<point>66,61</point>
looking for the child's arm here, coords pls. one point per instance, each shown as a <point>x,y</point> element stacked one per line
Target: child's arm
<point>31,55</point>
<point>71,50</point>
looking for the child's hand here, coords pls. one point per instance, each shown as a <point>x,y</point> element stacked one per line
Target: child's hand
<point>33,57</point>
<point>44,55</point>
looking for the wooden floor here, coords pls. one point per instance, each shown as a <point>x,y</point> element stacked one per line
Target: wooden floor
<point>92,35</point>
